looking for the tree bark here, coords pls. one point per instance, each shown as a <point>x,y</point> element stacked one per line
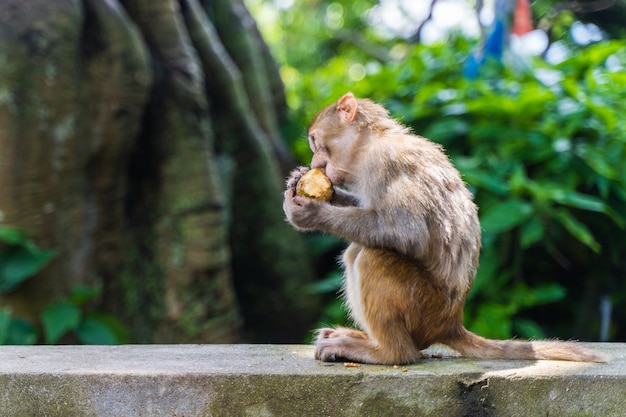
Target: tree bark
<point>275,308</point>
<point>239,33</point>
<point>71,110</point>
<point>110,115</point>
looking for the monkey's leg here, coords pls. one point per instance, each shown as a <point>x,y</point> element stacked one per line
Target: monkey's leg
<point>353,345</point>
<point>378,303</point>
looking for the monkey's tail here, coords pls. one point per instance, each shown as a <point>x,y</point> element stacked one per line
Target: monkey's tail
<point>471,345</point>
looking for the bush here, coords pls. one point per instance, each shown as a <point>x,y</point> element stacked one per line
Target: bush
<point>543,148</point>
<point>72,317</point>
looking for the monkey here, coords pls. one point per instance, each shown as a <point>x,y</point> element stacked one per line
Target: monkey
<point>414,242</point>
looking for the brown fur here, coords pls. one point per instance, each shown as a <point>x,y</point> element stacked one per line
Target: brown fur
<point>415,242</point>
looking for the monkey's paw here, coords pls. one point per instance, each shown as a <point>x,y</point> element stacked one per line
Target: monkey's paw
<point>340,343</point>
<point>328,333</point>
<point>294,177</point>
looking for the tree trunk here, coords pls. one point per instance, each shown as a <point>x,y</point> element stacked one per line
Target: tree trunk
<point>71,111</point>
<point>109,114</point>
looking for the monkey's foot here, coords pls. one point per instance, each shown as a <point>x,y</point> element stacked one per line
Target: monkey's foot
<point>342,343</point>
<point>328,333</point>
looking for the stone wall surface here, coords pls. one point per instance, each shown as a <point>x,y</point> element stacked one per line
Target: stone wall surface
<point>285,380</point>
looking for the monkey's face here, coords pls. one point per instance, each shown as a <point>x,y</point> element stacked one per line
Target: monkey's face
<point>333,152</point>
<point>336,143</point>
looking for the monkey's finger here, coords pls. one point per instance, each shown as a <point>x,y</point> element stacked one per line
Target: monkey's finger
<point>302,201</point>
<point>299,171</point>
<point>289,194</point>
<point>293,182</point>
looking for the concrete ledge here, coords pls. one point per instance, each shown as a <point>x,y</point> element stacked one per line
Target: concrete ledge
<point>280,380</point>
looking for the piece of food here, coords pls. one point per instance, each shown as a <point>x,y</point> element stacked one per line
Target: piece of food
<point>315,184</point>
<point>351,365</point>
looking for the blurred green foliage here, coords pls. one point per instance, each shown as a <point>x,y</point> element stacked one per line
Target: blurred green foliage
<point>73,316</point>
<point>19,258</point>
<point>542,147</point>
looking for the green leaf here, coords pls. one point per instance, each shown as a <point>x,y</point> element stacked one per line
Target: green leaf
<point>490,133</point>
<point>94,331</point>
<point>548,293</point>
<point>59,318</point>
<point>83,294</point>
<point>489,262</point>
<point>528,329</point>
<point>21,332</point>
<point>586,202</point>
<point>505,216</point>
<point>446,128</point>
<point>578,200</point>
<point>117,328</point>
<point>5,321</point>
<point>18,263</point>
<point>518,181</point>
<point>12,236</point>
<point>531,232</point>
<point>480,178</point>
<point>493,321</point>
<point>577,229</point>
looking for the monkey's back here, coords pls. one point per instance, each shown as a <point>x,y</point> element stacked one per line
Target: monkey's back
<point>426,207</point>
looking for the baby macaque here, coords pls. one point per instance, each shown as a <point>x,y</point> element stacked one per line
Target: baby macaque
<point>415,242</point>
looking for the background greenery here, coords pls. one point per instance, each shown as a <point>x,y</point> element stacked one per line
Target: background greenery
<point>69,319</point>
<point>542,146</point>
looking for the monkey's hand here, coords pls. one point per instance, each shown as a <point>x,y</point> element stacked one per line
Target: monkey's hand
<point>302,212</point>
<point>294,177</point>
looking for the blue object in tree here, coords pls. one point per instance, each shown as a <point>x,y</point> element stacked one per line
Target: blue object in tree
<point>493,47</point>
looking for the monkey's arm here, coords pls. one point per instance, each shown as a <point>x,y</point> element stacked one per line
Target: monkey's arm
<point>363,225</point>
<point>344,198</point>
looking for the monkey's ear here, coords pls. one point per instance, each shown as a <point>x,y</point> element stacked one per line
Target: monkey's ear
<point>347,107</point>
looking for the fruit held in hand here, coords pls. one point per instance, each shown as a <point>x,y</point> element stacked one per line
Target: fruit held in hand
<point>315,184</point>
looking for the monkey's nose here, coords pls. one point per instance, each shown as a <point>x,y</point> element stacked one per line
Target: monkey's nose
<point>318,163</point>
